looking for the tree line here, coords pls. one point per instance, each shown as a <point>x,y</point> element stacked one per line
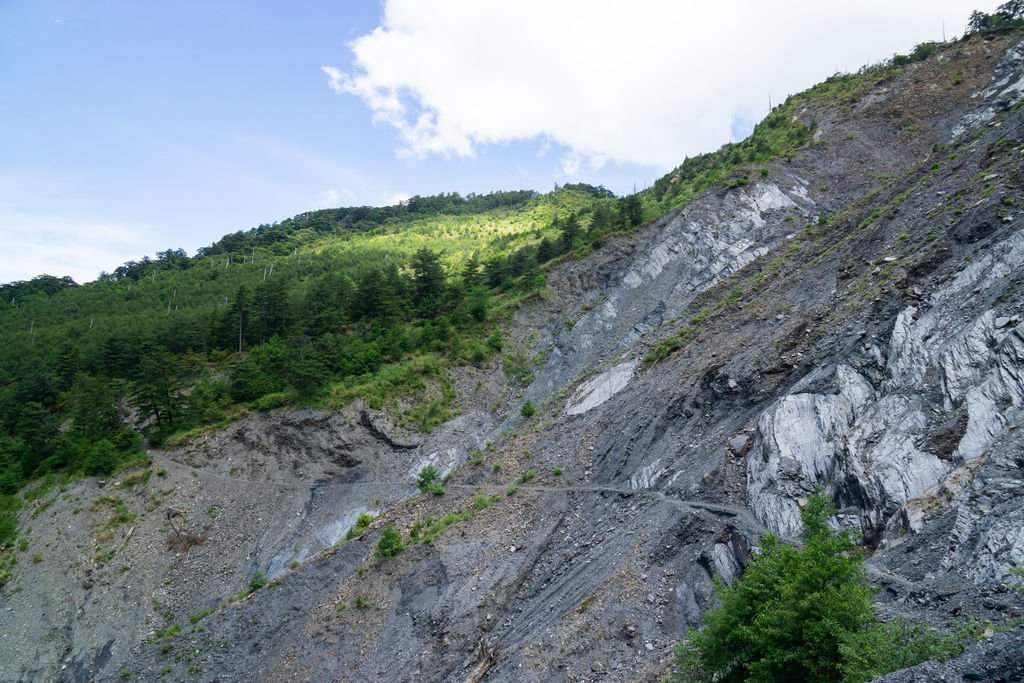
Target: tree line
<point>174,343</point>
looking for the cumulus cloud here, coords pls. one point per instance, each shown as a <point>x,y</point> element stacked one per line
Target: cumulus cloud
<point>643,82</point>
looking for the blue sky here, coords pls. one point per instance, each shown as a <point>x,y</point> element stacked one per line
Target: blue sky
<point>130,127</point>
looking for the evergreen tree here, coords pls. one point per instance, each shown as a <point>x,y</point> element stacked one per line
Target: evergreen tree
<point>272,309</point>
<point>631,211</point>
<point>374,298</point>
<point>234,324</point>
<point>546,250</point>
<point>96,407</point>
<point>601,219</point>
<point>803,615</point>
<point>157,384</point>
<point>471,276</point>
<point>1012,10</point>
<point>570,233</point>
<point>428,282</point>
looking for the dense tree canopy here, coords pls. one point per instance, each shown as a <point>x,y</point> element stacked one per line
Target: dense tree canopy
<point>312,308</point>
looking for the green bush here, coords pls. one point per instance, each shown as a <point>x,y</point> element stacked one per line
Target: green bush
<point>196,618</point>
<point>364,520</point>
<point>528,409</point>
<point>482,501</point>
<point>274,400</point>
<point>390,543</point>
<point>803,614</point>
<point>427,480</point>
<point>258,581</point>
<point>169,632</point>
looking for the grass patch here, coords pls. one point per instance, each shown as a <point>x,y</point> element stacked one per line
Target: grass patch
<point>196,618</point>
<point>364,520</point>
<point>121,514</point>
<point>430,528</point>
<point>482,501</point>
<point>7,562</point>
<point>169,632</point>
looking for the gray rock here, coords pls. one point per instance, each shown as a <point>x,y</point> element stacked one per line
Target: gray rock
<point>740,444</point>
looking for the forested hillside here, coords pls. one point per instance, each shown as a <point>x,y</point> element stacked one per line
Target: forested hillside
<point>540,437</point>
<point>321,307</point>
<point>314,309</point>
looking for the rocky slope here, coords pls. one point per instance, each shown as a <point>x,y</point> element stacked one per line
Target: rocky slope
<point>850,320</point>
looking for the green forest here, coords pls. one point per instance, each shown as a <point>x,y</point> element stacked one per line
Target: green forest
<point>314,310</point>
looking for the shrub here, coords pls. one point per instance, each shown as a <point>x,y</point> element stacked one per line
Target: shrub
<point>482,501</point>
<point>169,632</point>
<point>803,614</point>
<point>196,618</point>
<point>258,581</point>
<point>364,520</point>
<point>427,480</point>
<point>390,543</point>
<point>528,409</point>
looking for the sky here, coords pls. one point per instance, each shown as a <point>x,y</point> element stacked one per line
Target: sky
<point>128,127</point>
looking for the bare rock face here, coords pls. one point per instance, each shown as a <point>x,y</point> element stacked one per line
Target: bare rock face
<point>877,355</point>
<point>951,384</point>
<point>686,252</point>
<point>596,391</point>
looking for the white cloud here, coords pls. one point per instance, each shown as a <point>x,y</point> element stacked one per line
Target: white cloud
<point>333,198</point>
<point>395,198</point>
<point>334,79</point>
<point>57,245</point>
<point>643,82</point>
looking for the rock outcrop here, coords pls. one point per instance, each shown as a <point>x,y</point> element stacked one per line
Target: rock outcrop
<point>844,332</point>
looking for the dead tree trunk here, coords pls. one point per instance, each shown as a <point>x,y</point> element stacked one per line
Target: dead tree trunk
<point>486,658</point>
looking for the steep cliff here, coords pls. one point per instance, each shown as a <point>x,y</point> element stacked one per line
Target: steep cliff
<point>851,320</point>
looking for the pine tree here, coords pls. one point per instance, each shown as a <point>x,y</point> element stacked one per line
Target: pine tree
<point>428,282</point>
